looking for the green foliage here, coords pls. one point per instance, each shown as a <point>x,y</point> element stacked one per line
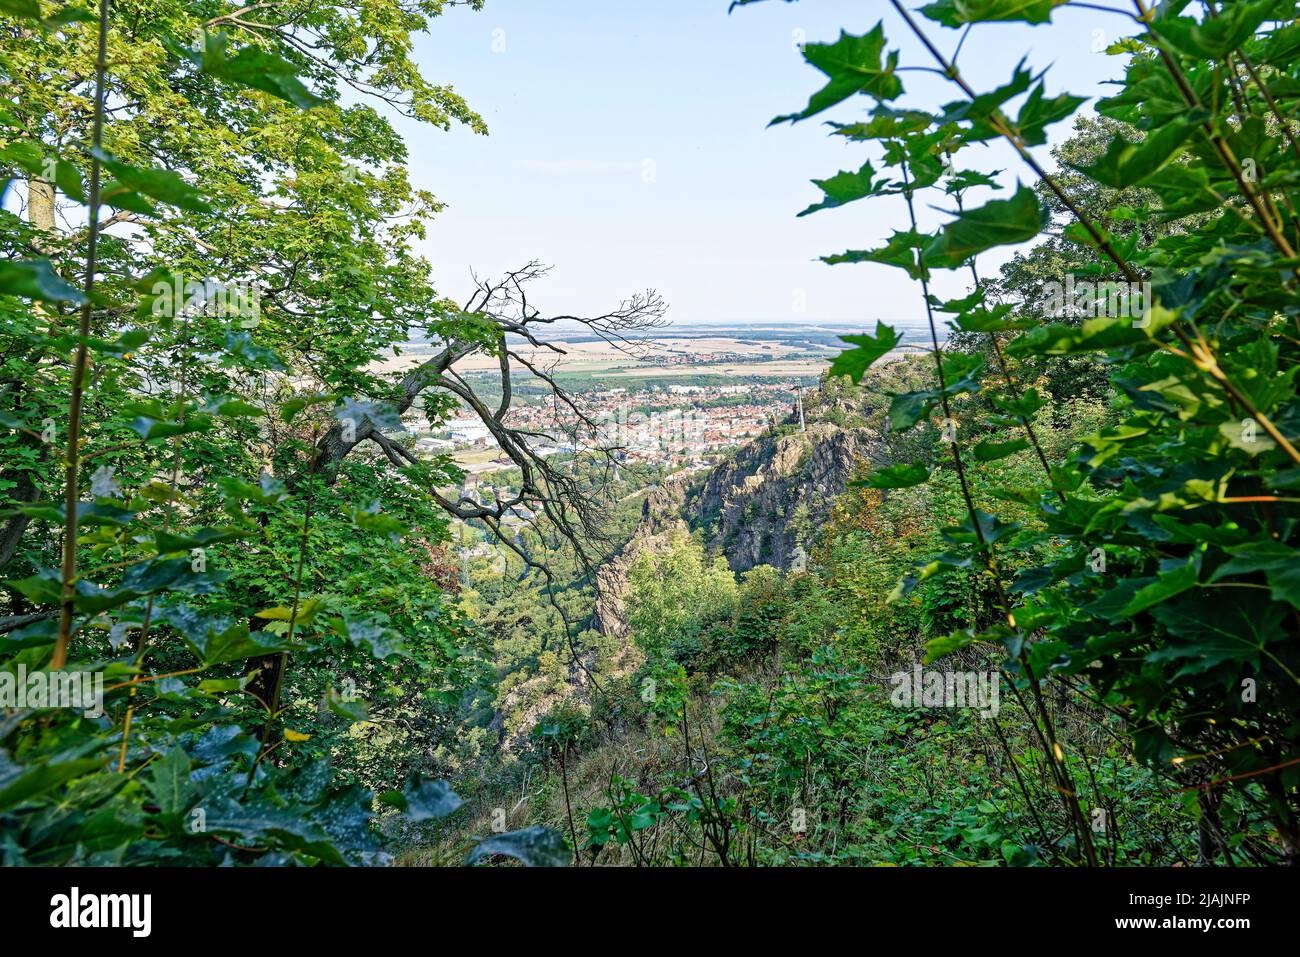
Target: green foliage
<point>285,661</point>
<point>248,622</point>
<point>867,349</point>
<point>999,222</point>
<point>535,846</point>
<point>676,597</point>
<point>852,65</point>
<point>1155,553</point>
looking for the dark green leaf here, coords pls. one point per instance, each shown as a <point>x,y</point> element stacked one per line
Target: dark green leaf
<point>536,846</point>
<point>853,65</point>
<point>955,13</point>
<point>898,476</point>
<point>866,350</point>
<point>256,68</point>
<point>999,222</point>
<point>1126,164</point>
<point>992,451</point>
<point>36,279</point>
<point>845,187</point>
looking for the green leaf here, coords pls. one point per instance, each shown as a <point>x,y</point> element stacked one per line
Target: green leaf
<point>169,782</point>
<point>152,577</point>
<point>94,514</point>
<point>268,491</point>
<point>1038,113</point>
<point>166,543</point>
<point>150,428</point>
<point>238,409</point>
<point>241,350</point>
<point>1126,164</point>
<point>70,14</point>
<point>987,451</point>
<point>120,195</point>
<point>1280,564</point>
<point>221,685</point>
<point>1237,438</point>
<point>25,9</point>
<point>853,65</point>
<point>349,708</point>
<point>955,13</point>
<point>885,123</point>
<point>999,222</point>
<point>1094,335</point>
<point>900,251</point>
<point>216,640</point>
<point>898,476</point>
<point>289,409</point>
<point>256,68</point>
<point>35,635</point>
<point>1024,405</point>
<point>959,180</point>
<point>370,520</point>
<point>27,155</point>
<point>536,846</point>
<point>961,372</point>
<point>979,110</point>
<point>937,648</point>
<point>908,408</point>
<point>162,185</point>
<point>1138,595</point>
<point>991,529</point>
<point>307,611</point>
<point>845,187</point>
<point>1211,628</point>
<point>981,319</point>
<point>423,800</point>
<point>370,632</point>
<point>36,279</point>
<point>68,178</point>
<point>964,304</point>
<point>1213,38</point>
<point>927,569</point>
<point>258,822</point>
<point>20,783</point>
<point>1282,46</point>
<point>866,350</point>
<point>43,588</point>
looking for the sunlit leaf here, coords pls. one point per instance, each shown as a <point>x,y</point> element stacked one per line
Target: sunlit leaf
<point>852,65</point>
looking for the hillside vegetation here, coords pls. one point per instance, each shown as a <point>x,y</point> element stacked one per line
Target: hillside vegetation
<point>1024,595</point>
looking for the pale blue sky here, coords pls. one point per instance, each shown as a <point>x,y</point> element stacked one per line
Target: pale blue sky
<point>586,100</point>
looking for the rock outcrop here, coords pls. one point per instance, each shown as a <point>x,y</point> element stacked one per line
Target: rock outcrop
<point>764,505</point>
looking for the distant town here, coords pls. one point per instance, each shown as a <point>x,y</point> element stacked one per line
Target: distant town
<point>681,405</point>
<point>669,425</point>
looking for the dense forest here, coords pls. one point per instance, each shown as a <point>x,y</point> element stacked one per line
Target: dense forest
<point>1023,592</point>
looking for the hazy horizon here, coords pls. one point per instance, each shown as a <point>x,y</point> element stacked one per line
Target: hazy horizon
<point>645,159</point>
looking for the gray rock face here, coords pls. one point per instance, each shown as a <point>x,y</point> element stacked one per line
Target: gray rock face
<point>763,507</point>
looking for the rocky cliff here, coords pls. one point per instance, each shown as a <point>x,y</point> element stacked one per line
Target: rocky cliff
<point>763,506</point>
<point>760,507</point>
